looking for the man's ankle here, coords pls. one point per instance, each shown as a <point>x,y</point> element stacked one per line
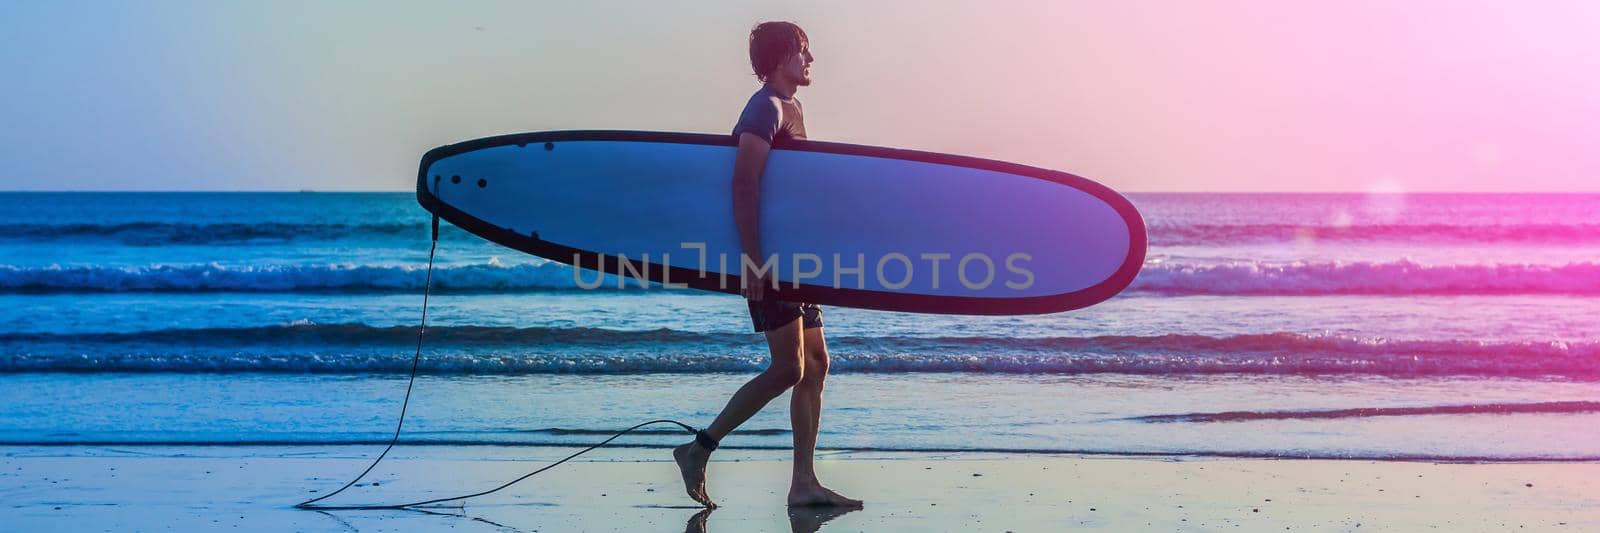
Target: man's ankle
<point>704,443</point>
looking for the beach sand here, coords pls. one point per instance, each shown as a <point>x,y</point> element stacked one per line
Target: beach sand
<point>87,488</point>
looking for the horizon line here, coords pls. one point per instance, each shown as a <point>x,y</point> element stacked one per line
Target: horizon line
<point>372,191</point>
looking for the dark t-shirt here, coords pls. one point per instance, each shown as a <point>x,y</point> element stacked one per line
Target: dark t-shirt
<point>771,117</point>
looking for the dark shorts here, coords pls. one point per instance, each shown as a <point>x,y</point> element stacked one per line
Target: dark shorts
<point>772,314</point>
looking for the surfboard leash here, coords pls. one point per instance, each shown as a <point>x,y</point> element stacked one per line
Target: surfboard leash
<point>416,358</point>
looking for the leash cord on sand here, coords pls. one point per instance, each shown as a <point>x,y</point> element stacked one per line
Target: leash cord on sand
<point>422,329</point>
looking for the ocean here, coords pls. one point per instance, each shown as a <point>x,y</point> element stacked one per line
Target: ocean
<point>1378,326</point>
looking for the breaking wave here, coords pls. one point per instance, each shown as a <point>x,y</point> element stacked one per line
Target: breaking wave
<point>1169,234</point>
<point>356,348</point>
<point>163,233</point>
<point>1228,234</point>
<point>213,277</point>
<point>1360,277</point>
<point>1239,278</point>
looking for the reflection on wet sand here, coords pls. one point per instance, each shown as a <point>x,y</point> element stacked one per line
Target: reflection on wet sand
<point>801,519</point>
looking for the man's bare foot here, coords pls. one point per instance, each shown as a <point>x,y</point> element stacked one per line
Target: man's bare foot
<point>692,464</point>
<point>813,494</point>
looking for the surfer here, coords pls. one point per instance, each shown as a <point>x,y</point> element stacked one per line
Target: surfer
<point>780,55</point>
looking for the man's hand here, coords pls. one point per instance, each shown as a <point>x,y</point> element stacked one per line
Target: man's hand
<point>755,285</point>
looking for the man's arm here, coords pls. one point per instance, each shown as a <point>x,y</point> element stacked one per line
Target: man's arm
<point>748,165</point>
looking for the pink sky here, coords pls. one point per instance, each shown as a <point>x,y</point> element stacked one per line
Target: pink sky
<point>1142,96</point>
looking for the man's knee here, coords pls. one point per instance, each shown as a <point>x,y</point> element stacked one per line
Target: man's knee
<point>816,368</point>
<point>788,355</point>
<point>787,374</point>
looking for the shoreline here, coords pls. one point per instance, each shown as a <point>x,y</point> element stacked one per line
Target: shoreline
<point>254,488</point>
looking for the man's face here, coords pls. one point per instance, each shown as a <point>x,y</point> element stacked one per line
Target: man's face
<point>798,67</point>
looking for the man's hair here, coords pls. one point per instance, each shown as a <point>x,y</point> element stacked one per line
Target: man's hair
<point>772,43</point>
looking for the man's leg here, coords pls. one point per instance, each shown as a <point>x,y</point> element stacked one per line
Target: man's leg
<point>786,369</point>
<point>805,407</point>
<point>806,416</point>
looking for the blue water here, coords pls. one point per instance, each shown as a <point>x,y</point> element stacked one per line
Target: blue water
<point>1385,326</point>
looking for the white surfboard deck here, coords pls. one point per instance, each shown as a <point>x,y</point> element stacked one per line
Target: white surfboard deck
<point>853,225</point>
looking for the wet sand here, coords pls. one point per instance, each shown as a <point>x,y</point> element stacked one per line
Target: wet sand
<point>255,488</point>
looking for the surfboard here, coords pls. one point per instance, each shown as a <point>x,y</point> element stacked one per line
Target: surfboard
<point>842,224</point>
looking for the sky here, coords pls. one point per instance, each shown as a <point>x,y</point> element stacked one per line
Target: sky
<point>1245,95</point>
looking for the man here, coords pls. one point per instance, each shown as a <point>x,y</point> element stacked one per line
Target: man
<point>781,57</point>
